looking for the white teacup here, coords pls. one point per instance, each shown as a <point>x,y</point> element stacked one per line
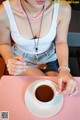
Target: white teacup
<point>45,92</point>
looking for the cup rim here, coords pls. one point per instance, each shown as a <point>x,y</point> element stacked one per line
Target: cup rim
<point>48,83</point>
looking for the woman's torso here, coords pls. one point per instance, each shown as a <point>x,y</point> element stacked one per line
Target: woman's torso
<point>22,34</point>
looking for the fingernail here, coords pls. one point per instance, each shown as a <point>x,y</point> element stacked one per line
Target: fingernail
<point>26,66</point>
<point>24,63</point>
<point>70,95</point>
<point>60,91</point>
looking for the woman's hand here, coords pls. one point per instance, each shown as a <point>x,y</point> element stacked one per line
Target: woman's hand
<point>67,84</point>
<point>16,65</point>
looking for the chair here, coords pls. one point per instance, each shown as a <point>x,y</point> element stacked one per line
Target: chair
<point>74,43</point>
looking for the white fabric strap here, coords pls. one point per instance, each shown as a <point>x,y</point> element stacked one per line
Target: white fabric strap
<point>55,16</point>
<point>10,15</point>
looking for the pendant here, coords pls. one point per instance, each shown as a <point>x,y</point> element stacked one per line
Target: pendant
<point>34,37</point>
<point>42,66</point>
<point>36,49</point>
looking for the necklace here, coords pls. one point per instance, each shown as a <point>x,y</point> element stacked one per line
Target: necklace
<point>34,37</point>
<point>41,66</point>
<point>29,15</point>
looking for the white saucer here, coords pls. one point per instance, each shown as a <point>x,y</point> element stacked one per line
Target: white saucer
<point>39,110</point>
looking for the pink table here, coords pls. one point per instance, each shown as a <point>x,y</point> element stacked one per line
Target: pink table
<point>12,90</point>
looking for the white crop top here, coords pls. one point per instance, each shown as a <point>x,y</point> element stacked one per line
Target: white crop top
<point>27,45</point>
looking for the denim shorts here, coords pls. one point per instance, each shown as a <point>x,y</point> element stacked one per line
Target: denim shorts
<point>32,60</point>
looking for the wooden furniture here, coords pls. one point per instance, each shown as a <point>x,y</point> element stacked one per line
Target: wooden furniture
<point>2,67</point>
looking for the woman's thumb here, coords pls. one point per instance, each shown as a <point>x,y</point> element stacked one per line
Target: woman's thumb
<point>20,58</point>
<point>60,84</point>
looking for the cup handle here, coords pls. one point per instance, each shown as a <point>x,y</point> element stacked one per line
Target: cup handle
<point>57,93</point>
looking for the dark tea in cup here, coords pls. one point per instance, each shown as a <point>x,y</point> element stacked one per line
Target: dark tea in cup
<point>44,93</point>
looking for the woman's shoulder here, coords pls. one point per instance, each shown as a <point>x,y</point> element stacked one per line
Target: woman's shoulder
<point>64,11</point>
<point>3,14</point>
<point>65,7</point>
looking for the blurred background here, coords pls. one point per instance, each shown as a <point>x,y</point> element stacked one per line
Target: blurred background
<point>73,41</point>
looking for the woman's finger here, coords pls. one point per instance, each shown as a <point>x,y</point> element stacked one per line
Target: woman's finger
<point>66,86</point>
<point>19,71</point>
<point>16,72</point>
<point>11,66</point>
<point>74,91</point>
<point>15,62</point>
<point>18,58</point>
<point>72,88</point>
<point>60,84</point>
<point>66,89</point>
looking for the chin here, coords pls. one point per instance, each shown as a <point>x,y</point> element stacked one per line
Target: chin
<point>39,6</point>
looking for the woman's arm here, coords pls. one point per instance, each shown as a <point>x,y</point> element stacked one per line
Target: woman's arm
<point>67,84</point>
<point>15,65</point>
<point>62,30</point>
<point>5,42</point>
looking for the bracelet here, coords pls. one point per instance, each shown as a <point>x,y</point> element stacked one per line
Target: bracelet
<point>65,67</point>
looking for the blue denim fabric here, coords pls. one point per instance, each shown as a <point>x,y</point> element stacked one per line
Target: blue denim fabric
<point>49,57</point>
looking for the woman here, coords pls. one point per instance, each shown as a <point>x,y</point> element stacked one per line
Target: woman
<point>33,25</point>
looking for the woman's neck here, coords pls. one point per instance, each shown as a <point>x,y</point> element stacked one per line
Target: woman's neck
<point>30,9</point>
<point>33,11</point>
